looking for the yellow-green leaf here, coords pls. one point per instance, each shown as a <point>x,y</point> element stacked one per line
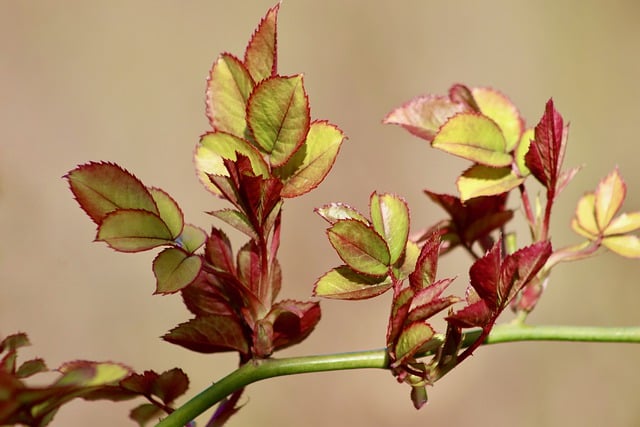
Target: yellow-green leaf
<point>474,137</point>
<point>169,211</point>
<point>623,223</point>
<point>481,180</point>
<point>306,169</point>
<point>585,221</point>
<point>501,110</point>
<point>192,238</point>
<point>228,90</point>
<point>344,283</point>
<point>390,218</point>
<point>610,194</point>
<point>360,247</point>
<point>132,230</point>
<point>521,151</point>
<point>174,269</point>
<point>627,245</point>
<point>261,54</point>
<point>278,115</point>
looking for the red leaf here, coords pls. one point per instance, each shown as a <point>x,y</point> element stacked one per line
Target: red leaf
<point>203,298</point>
<point>476,314</point>
<point>484,276</point>
<point>218,251</point>
<point>524,264</point>
<point>293,321</point>
<point>170,385</point>
<point>427,264</point>
<point>546,151</point>
<point>209,334</point>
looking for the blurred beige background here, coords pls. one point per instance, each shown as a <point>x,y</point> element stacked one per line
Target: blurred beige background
<point>124,81</point>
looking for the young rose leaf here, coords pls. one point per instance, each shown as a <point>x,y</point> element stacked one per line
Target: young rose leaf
<point>521,151</point>
<point>625,245</point>
<point>101,188</point>
<point>31,367</point>
<point>261,54</point>
<point>91,374</point>
<point>293,321</point>
<point>424,115</point>
<point>360,247</point>
<point>209,334</point>
<point>218,251</point>
<point>484,276</point>
<point>344,283</point>
<point>228,89</point>
<point>237,220</point>
<point>175,269</point>
<point>427,264</point>
<point>477,314</point>
<point>411,339</point>
<point>14,342</point>
<point>584,221</point>
<point>169,211</point>
<point>132,230</point>
<point>462,94</point>
<point>278,115</point>
<point>249,267</point>
<point>501,110</point>
<point>206,296</point>
<point>480,180</point>
<point>170,385</point>
<point>473,137</point>
<point>191,238</point>
<point>311,163</point>
<point>546,151</point>
<point>390,219</point>
<point>215,147</point>
<point>335,212</point>
<point>623,223</point>
<point>428,303</point>
<point>145,413</point>
<point>610,194</point>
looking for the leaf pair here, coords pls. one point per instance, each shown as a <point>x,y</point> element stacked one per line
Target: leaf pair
<point>371,249</point>
<point>596,218</point>
<point>132,218</point>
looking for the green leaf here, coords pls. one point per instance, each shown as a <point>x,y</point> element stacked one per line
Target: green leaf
<point>311,163</point>
<point>101,188</point>
<point>170,212</point>
<point>214,147</point>
<point>361,247</point>
<point>278,115</point>
<point>390,218</point>
<point>411,339</point>
<point>130,230</point>
<point>481,180</point>
<point>344,283</point>
<point>174,269</point>
<point>237,220</point>
<point>521,152</point>
<point>473,137</point>
<point>261,54</point>
<point>501,110</point>
<point>228,89</point>
<point>335,212</point>
<point>191,238</point>
<point>90,374</point>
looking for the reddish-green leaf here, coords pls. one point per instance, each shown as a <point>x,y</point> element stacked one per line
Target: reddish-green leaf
<point>344,283</point>
<point>335,212</point>
<point>476,314</point>
<point>474,137</point>
<point>169,211</point>
<point>411,339</point>
<point>427,264</point>
<point>145,413</point>
<point>209,334</point>
<point>170,385</point>
<point>424,115</point>
<point>174,269</point>
<point>501,110</point>
<point>278,115</point>
<point>311,163</point>
<point>390,219</point>
<point>360,246</point>
<point>237,220</point>
<point>218,251</point>
<point>131,230</point>
<point>480,180</point>
<point>101,188</point>
<point>228,89</point>
<point>31,367</point>
<point>261,54</point>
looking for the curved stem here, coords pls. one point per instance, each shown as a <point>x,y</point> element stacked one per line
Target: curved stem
<point>377,359</point>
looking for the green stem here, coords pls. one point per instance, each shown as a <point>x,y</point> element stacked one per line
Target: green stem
<point>377,359</point>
